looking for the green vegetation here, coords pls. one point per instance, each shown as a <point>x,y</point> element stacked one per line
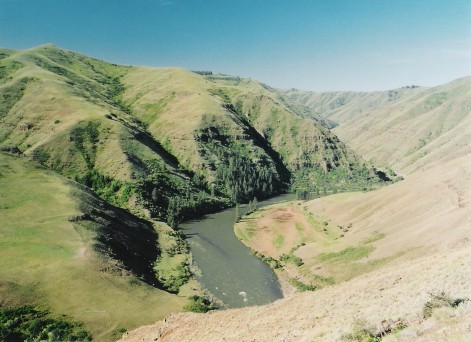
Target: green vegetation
<point>173,198</point>
<point>198,304</point>
<point>297,261</point>
<point>112,190</point>
<point>11,94</point>
<point>312,182</point>
<point>7,68</point>
<point>29,324</point>
<point>85,137</point>
<point>325,280</point>
<point>242,171</point>
<point>349,254</point>
<point>269,260</point>
<point>172,267</point>
<point>76,242</point>
<point>299,285</point>
<point>364,332</point>
<point>439,300</point>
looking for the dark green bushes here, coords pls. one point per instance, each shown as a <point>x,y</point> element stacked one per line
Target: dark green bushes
<point>10,95</point>
<point>173,198</point>
<point>242,171</point>
<point>291,258</point>
<point>85,138</point>
<point>198,304</point>
<point>175,281</point>
<point>112,190</point>
<point>28,324</point>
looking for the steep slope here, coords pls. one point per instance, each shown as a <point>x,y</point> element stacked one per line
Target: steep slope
<point>65,110</point>
<point>405,129</point>
<point>406,241</point>
<point>269,138</point>
<point>65,250</point>
<point>167,142</point>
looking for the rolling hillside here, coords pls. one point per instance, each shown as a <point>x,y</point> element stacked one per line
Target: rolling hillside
<point>164,144</point>
<point>65,111</point>
<point>118,129</point>
<point>66,251</point>
<point>389,264</point>
<point>405,129</point>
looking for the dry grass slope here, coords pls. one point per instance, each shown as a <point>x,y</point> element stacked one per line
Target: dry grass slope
<point>405,129</point>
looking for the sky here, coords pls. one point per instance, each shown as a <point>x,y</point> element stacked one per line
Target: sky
<point>318,45</point>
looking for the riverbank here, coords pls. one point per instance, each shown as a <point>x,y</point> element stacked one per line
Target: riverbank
<point>228,270</point>
<point>306,250</point>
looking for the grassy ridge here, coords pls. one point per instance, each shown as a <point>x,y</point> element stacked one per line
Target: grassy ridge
<point>404,129</point>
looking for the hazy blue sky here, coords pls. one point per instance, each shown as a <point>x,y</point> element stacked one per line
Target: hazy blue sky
<point>307,44</point>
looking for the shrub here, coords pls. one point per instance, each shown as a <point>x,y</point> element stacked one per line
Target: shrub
<point>198,304</point>
<point>179,277</point>
<point>27,323</point>
<point>439,301</point>
<point>302,286</point>
<point>362,332</point>
<point>291,258</point>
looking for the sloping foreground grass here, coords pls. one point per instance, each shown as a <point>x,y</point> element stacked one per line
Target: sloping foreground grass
<point>52,263</point>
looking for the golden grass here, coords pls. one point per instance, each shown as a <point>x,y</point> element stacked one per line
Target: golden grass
<point>406,129</point>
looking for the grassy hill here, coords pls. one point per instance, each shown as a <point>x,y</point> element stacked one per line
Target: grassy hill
<point>389,264</point>
<point>164,144</point>
<point>65,110</point>
<point>405,129</point>
<point>211,121</point>
<point>143,137</point>
<point>66,251</point>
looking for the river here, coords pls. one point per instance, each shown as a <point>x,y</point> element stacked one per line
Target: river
<point>228,270</point>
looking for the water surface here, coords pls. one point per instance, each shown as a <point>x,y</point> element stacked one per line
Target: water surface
<point>228,270</point>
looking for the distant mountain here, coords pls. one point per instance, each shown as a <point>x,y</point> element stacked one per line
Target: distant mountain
<point>405,129</point>
<point>169,142</point>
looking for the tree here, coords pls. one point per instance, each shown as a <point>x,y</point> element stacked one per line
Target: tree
<point>237,213</point>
